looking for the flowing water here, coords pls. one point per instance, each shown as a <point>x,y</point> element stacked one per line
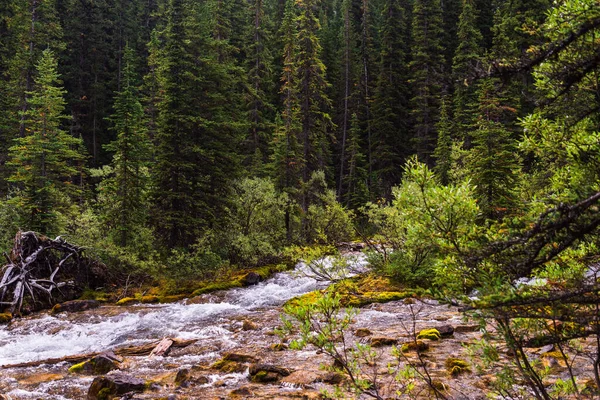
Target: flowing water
<point>214,319</point>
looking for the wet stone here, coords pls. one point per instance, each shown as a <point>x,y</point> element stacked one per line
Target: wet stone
<point>104,386</point>
<point>383,341</point>
<point>75,306</point>
<point>251,278</point>
<point>182,378</point>
<point>362,332</point>
<point>445,330</point>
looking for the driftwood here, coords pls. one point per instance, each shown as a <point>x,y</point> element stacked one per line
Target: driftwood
<point>162,348</point>
<point>38,270</point>
<point>142,350</point>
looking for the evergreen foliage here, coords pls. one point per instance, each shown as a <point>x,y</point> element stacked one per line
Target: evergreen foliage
<point>427,67</point>
<point>46,163</point>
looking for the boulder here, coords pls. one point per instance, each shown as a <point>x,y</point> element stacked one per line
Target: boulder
<point>98,365</point>
<point>239,357</point>
<point>75,306</point>
<point>381,341</point>
<point>362,332</point>
<point>251,278</point>
<point>263,373</point>
<point>182,379</point>
<point>103,387</point>
<point>445,330</point>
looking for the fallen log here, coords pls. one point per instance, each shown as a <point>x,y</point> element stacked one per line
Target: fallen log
<point>141,350</point>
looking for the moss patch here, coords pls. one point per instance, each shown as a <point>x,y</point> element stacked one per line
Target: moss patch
<point>149,299</point>
<point>5,318</point>
<point>77,368</point>
<point>418,345</point>
<point>456,366</point>
<point>98,295</point>
<point>431,334</point>
<point>228,366</point>
<point>126,301</point>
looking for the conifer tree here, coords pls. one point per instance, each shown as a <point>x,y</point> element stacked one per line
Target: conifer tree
<point>355,191</point>
<point>197,123</point>
<point>261,86</point>
<point>313,103</point>
<point>492,162</point>
<point>27,28</point>
<point>443,150</point>
<point>346,88</point>
<point>44,162</point>
<point>128,186</point>
<point>467,61</point>
<point>427,68</point>
<point>288,161</point>
<point>391,137</point>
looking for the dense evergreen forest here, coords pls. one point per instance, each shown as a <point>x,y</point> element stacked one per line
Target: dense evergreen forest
<point>188,135</point>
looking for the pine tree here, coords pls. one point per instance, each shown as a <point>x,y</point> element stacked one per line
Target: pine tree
<point>131,153</point>
<point>467,61</point>
<point>391,138</point>
<point>347,93</point>
<point>427,73</point>
<point>443,150</point>
<point>313,103</point>
<point>288,162</point>
<point>261,109</point>
<point>356,192</point>
<point>492,161</point>
<point>45,161</point>
<point>197,123</point>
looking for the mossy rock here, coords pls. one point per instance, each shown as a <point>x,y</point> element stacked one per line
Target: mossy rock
<point>98,295</point>
<point>5,318</point>
<point>418,346</point>
<point>382,341</point>
<point>228,366</point>
<point>431,334</point>
<point>171,298</point>
<point>278,346</point>
<point>126,301</point>
<point>265,377</point>
<point>149,299</point>
<point>456,366</point>
<point>77,368</point>
<point>213,287</point>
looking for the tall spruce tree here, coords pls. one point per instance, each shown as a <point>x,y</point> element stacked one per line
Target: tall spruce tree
<point>261,87</point>
<point>45,163</point>
<point>313,103</point>
<point>492,162</point>
<point>288,161</point>
<point>347,94</point>
<point>390,112</point>
<point>466,63</point>
<point>427,67</point>
<point>356,192</point>
<point>126,190</point>
<point>197,123</point>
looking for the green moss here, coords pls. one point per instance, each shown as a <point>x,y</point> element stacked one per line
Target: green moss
<point>419,346</point>
<point>171,299</point>
<point>456,366</point>
<point>431,334</point>
<point>98,295</point>
<point>5,318</point>
<point>56,309</point>
<point>126,300</point>
<point>77,368</point>
<point>105,394</point>
<point>213,287</point>
<point>149,299</point>
<point>228,366</point>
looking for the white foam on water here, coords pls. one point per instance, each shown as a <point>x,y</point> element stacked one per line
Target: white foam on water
<point>123,329</point>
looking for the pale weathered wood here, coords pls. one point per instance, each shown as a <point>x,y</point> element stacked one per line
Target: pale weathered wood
<point>162,348</point>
